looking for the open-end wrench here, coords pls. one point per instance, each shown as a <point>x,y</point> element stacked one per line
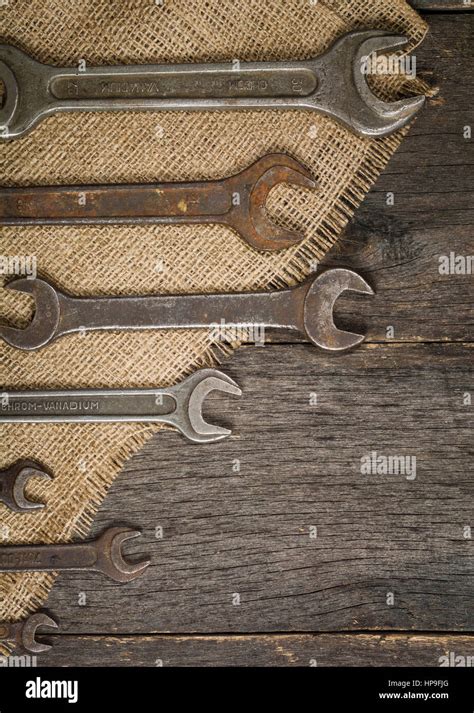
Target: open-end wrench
<point>101,555</point>
<point>23,633</point>
<point>12,485</point>
<point>179,406</point>
<point>334,84</point>
<point>238,202</point>
<point>307,308</point>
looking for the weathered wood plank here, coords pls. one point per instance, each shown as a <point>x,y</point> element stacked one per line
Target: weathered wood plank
<point>253,650</point>
<point>249,532</point>
<point>442,5</point>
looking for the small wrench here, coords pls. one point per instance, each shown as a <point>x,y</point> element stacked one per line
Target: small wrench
<point>179,406</point>
<point>334,84</point>
<point>23,633</point>
<point>101,555</point>
<point>307,308</point>
<point>238,202</point>
<point>12,485</point>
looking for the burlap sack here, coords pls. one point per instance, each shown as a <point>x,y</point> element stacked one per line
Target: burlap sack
<point>126,147</point>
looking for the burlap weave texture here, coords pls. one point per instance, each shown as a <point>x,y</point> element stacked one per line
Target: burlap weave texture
<point>141,147</point>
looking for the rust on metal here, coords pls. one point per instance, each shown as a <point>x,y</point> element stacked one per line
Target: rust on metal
<point>238,202</point>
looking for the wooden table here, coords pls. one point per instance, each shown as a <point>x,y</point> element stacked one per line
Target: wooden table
<point>276,548</point>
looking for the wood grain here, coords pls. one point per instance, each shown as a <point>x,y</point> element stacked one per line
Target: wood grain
<point>290,650</point>
<point>442,5</point>
<point>249,532</point>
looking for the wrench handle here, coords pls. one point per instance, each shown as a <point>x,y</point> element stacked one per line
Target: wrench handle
<point>6,494</point>
<point>198,86</point>
<point>87,406</point>
<point>267,309</point>
<point>159,203</point>
<point>47,558</point>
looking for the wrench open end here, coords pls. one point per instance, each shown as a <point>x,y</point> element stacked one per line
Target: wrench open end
<point>252,221</point>
<point>318,318</point>
<point>190,395</point>
<point>27,637</point>
<point>24,80</point>
<point>383,117</point>
<point>110,559</point>
<point>23,472</point>
<point>345,93</point>
<point>42,328</point>
<point>10,99</point>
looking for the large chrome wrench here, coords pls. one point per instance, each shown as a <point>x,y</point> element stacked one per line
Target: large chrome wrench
<point>333,84</point>
<point>307,308</point>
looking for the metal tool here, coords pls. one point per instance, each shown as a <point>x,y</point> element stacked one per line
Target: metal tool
<point>238,202</point>
<point>23,633</point>
<point>307,308</point>
<point>334,84</point>
<point>12,485</point>
<point>179,406</point>
<point>101,555</point>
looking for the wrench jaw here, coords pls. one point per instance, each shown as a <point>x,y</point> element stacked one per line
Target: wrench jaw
<point>318,318</point>
<point>343,92</point>
<point>13,482</point>
<point>20,501</point>
<point>250,219</point>
<point>380,117</point>
<point>190,395</point>
<point>26,92</point>
<point>26,638</point>
<point>10,105</point>
<point>45,322</point>
<point>110,560</point>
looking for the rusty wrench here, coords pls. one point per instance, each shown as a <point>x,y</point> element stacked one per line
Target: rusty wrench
<point>179,406</point>
<point>307,308</point>
<point>103,554</point>
<point>333,83</point>
<point>23,633</point>
<point>12,485</point>
<point>238,202</point>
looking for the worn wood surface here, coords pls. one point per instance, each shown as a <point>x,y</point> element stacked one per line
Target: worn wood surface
<point>391,554</point>
<point>257,650</point>
<point>249,532</point>
<point>443,5</point>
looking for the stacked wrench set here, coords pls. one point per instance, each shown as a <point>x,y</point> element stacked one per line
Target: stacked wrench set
<point>332,84</point>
